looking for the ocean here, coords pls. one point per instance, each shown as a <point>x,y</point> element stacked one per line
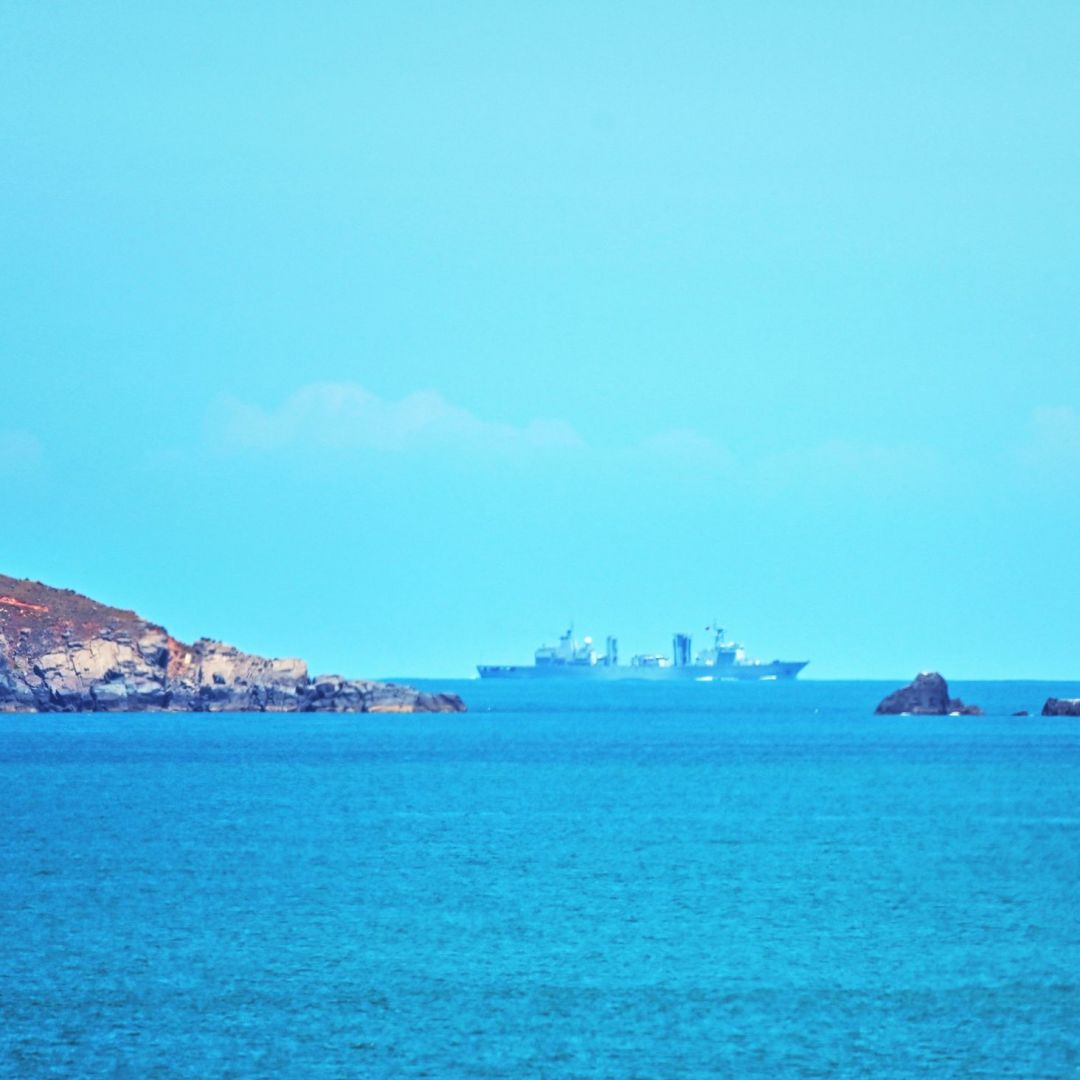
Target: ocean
<point>621,880</point>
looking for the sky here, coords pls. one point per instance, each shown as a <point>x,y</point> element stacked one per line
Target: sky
<point>401,336</point>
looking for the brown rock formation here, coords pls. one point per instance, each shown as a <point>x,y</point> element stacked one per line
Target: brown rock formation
<point>1061,707</point>
<point>926,695</point>
<point>60,651</point>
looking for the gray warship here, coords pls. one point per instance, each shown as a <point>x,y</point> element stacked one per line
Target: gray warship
<point>722,660</point>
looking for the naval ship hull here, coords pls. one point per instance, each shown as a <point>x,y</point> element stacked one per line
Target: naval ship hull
<point>776,670</point>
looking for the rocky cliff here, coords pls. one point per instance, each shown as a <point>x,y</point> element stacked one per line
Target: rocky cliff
<point>60,651</point>
<point>926,695</point>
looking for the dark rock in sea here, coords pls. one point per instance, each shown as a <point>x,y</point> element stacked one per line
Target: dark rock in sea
<point>62,652</point>
<point>1021,712</point>
<point>926,695</point>
<point>1061,707</point>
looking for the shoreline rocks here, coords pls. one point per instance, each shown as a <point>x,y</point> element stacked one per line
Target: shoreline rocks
<point>63,652</point>
<point>926,695</point>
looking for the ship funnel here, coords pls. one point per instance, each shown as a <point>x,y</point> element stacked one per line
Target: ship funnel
<point>681,650</point>
<point>611,656</point>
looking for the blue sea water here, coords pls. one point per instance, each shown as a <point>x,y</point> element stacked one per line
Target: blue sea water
<point>618,880</point>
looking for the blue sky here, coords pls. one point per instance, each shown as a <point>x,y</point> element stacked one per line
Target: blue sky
<point>398,336</point>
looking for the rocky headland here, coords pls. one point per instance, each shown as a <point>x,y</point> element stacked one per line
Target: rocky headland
<point>62,652</point>
<point>926,695</point>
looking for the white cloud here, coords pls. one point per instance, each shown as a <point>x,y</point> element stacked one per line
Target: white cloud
<point>348,416</point>
<point>331,417</point>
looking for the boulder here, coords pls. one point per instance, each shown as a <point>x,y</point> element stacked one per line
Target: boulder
<point>1061,707</point>
<point>926,695</point>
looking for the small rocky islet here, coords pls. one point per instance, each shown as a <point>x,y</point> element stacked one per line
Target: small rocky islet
<point>63,652</point>
<point>928,695</point>
<point>1061,707</point>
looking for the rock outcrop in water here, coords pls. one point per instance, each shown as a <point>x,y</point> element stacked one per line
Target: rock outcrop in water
<point>1061,707</point>
<point>60,651</point>
<point>926,695</point>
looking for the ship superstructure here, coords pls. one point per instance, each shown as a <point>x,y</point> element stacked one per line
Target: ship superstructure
<point>723,659</point>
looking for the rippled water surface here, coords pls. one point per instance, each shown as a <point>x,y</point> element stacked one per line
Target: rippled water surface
<point>622,880</point>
